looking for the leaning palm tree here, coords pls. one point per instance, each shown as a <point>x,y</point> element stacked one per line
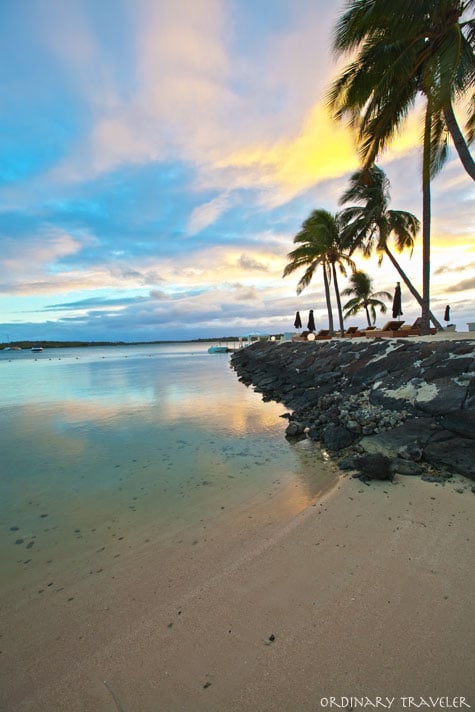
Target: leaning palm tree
<point>362,297</point>
<point>370,224</point>
<point>405,49</point>
<point>320,245</point>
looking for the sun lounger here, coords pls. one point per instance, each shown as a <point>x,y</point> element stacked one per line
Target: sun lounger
<point>323,334</point>
<point>415,328</point>
<point>391,329</point>
<point>353,331</point>
<point>304,336</point>
<point>311,336</point>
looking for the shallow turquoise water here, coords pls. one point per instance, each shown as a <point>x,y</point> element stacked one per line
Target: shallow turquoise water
<point>100,443</point>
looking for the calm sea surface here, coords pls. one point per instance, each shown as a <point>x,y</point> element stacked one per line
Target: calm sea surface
<point>113,443</point>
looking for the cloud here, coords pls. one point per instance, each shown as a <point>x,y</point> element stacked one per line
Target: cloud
<point>320,150</point>
<point>206,214</point>
<point>248,263</point>
<point>465,286</point>
<point>40,279</point>
<point>43,251</point>
<point>243,293</point>
<point>179,74</point>
<point>448,269</point>
<point>136,276</point>
<point>194,100</point>
<point>101,302</point>
<point>159,295</point>
<point>176,150</point>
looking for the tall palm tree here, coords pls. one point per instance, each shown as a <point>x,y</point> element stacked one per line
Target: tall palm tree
<point>405,49</point>
<point>363,297</point>
<point>320,245</point>
<point>370,224</point>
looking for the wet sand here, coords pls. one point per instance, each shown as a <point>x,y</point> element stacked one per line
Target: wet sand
<point>366,592</point>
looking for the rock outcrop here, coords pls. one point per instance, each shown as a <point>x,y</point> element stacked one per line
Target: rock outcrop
<point>410,401</point>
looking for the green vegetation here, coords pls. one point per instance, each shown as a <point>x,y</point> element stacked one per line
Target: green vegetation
<point>320,245</point>
<point>363,297</point>
<point>401,51</point>
<point>371,224</point>
<point>330,240</point>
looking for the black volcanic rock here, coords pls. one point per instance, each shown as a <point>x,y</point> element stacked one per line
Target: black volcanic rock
<point>463,426</point>
<point>374,467</point>
<point>387,394</point>
<point>457,454</point>
<point>336,437</point>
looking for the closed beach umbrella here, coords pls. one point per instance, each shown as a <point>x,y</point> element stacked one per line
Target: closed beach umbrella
<point>397,310</point>
<point>298,321</point>
<point>311,321</point>
<point>447,313</point>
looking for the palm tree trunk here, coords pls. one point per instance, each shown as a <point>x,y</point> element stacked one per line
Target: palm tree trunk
<point>367,314</point>
<point>426,217</point>
<point>459,141</point>
<point>328,300</point>
<point>338,300</point>
<point>410,286</point>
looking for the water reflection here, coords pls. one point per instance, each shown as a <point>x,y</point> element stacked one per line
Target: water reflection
<point>162,391</point>
<point>115,445</point>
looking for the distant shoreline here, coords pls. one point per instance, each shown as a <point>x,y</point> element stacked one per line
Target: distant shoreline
<point>83,344</point>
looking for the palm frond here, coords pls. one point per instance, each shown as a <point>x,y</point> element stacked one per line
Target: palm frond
<point>389,68</point>
<point>307,277</point>
<point>470,125</point>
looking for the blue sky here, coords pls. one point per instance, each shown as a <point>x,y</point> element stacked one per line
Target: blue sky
<point>158,157</point>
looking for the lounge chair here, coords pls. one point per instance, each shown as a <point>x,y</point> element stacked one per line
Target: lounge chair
<point>303,336</point>
<point>311,336</point>
<point>323,334</point>
<point>415,328</point>
<point>391,329</point>
<point>353,331</point>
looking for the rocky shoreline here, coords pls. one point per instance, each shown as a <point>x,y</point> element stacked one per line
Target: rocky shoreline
<point>381,407</point>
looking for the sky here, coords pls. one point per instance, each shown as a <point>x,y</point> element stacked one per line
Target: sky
<point>157,157</point>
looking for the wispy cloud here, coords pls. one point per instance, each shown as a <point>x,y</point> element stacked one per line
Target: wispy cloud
<point>94,302</point>
<point>465,285</point>
<point>449,269</point>
<point>248,263</point>
<point>206,214</point>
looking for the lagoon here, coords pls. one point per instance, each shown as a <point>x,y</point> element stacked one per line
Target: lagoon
<point>113,448</point>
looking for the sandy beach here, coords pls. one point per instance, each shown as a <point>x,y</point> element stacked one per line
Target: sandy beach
<point>367,592</point>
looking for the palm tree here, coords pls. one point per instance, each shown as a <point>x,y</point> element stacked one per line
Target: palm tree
<point>363,297</point>
<point>320,245</point>
<point>404,49</point>
<point>370,224</point>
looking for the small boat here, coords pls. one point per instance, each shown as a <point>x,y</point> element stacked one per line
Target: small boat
<point>36,349</point>
<point>218,350</point>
